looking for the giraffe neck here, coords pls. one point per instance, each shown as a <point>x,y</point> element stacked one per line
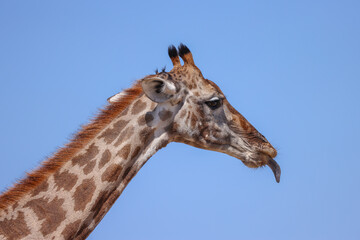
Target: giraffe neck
<point>72,200</point>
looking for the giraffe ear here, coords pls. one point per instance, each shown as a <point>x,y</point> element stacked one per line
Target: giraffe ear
<point>116,97</point>
<point>158,89</point>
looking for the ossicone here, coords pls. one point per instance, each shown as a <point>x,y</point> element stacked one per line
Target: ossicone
<point>174,56</point>
<point>186,55</point>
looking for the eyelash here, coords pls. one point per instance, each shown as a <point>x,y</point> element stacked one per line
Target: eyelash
<point>213,104</point>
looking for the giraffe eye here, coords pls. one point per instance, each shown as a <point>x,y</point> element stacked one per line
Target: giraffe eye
<point>213,103</point>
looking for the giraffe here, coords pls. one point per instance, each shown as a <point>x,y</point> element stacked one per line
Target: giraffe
<point>69,194</point>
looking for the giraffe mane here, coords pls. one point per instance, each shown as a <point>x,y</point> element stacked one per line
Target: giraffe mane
<point>64,154</point>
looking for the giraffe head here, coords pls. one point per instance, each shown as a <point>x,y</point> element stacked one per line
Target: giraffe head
<point>194,110</point>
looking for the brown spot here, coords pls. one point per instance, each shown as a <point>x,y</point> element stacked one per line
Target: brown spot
<point>111,134</point>
<point>43,187</point>
<point>100,201</point>
<point>84,230</point>
<point>135,152</point>
<point>14,228</point>
<point>182,114</point>
<point>148,118</point>
<point>89,167</point>
<point>165,114</point>
<point>15,206</point>
<point>128,175</point>
<point>200,112</point>
<point>124,135</point>
<point>52,212</point>
<point>105,158</point>
<point>112,173</point>
<point>169,127</point>
<point>141,120</point>
<point>124,152</point>
<point>103,203</point>
<point>65,180</point>
<point>126,172</point>
<point>125,112</point>
<point>106,205</point>
<point>83,194</point>
<point>90,153</point>
<point>194,120</point>
<point>138,107</point>
<point>146,135</point>
<point>71,229</point>
<point>244,124</point>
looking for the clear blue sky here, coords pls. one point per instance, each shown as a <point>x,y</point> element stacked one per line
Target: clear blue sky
<point>292,68</point>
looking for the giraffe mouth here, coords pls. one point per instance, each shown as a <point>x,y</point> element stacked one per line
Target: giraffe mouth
<point>269,161</point>
<point>262,159</point>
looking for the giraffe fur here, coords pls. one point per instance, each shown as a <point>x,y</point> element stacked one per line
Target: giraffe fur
<point>69,194</point>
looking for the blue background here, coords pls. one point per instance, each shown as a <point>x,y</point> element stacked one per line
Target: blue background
<point>292,68</point>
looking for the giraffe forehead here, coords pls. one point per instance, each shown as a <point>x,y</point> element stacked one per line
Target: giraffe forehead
<point>205,88</point>
<point>194,80</point>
